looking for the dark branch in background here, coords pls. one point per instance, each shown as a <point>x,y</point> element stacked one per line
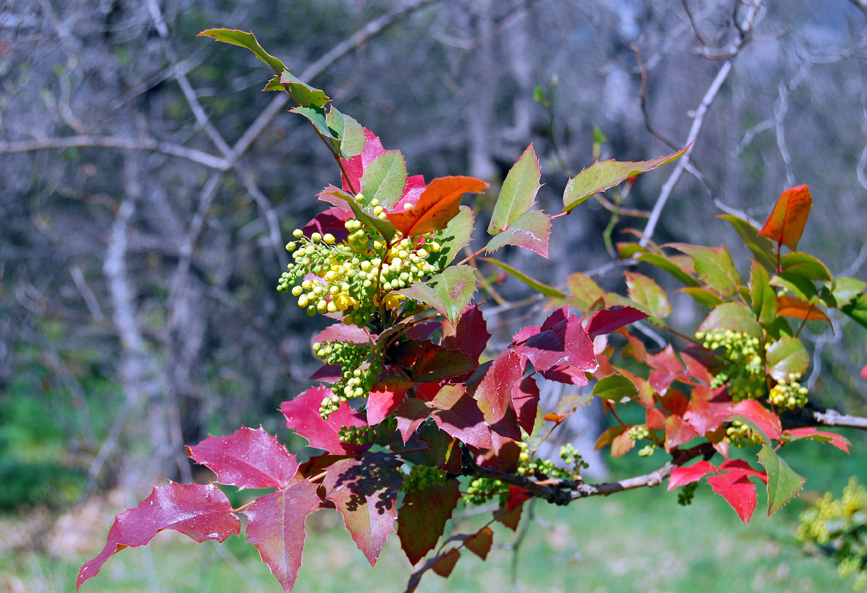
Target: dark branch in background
<point>815,415</point>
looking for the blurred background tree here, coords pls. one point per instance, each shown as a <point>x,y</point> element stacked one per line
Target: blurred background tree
<point>149,187</point>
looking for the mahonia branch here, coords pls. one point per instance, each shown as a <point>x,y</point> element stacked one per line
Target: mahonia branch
<point>562,492</point>
<point>815,415</point>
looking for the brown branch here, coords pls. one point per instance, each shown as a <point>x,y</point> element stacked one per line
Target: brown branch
<point>813,415</point>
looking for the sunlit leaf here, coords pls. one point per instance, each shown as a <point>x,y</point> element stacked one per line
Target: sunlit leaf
<point>682,476</point>
<point>811,433</point>
<point>439,203</point>
<point>302,416</point>
<point>304,94</point>
<point>783,483</point>
<point>584,291</point>
<point>738,491</point>
<point>384,179</point>
<point>676,266</point>
<point>714,267</point>
<point>702,296</point>
<point>646,292</point>
<point>787,355</point>
<point>456,234</point>
<point>246,40</point>
<point>517,194</point>
<point>615,387</point>
<point>734,316</point>
<point>601,176</point>
<point>763,298</point>
<point>786,221</point>
<point>530,231</point>
<point>805,266</point>
<point>349,131</point>
<point>794,307</point>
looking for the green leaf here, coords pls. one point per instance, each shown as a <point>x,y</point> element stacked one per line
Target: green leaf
<point>421,292</point>
<point>349,131</point>
<point>383,227</point>
<point>670,265</point>
<point>317,117</point>
<point>455,286</point>
<point>384,179</point>
<point>304,94</point>
<point>787,355</point>
<point>734,316</point>
<point>763,248</point>
<point>804,265</point>
<point>615,387</point>
<point>702,296</point>
<point>518,192</point>
<point>714,267</point>
<point>763,298</point>
<point>456,234</point>
<point>601,176</point>
<point>783,483</point>
<point>247,40</point>
<point>799,286</point>
<point>544,289</point>
<point>647,293</point>
<point>843,290</point>
<point>857,309</point>
<point>584,291</point>
<point>530,231</point>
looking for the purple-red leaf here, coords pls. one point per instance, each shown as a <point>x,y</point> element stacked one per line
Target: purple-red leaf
<point>785,223</point>
<point>410,414</point>
<point>275,525</point>
<point>525,399</point>
<point>340,332</point>
<point>494,393</point>
<point>608,320</point>
<point>331,221</point>
<point>200,511</point>
<point>561,342</point>
<point>470,336</point>
<point>531,231</point>
<point>302,416</point>
<point>422,518</point>
<point>458,415</point>
<point>364,492</point>
<point>384,398</point>
<point>247,459</point>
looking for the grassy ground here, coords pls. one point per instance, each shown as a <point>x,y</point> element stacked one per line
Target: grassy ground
<point>639,541</point>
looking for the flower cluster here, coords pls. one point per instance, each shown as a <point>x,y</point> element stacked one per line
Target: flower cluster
<point>740,435</point>
<point>789,393</point>
<point>422,477</point>
<point>837,527</point>
<point>744,368</point>
<point>356,277</point>
<point>359,370</point>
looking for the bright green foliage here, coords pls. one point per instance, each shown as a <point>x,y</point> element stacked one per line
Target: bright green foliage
<point>836,526</point>
<point>422,477</point>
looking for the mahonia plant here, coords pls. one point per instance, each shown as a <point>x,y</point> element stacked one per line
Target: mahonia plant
<point>410,418</point>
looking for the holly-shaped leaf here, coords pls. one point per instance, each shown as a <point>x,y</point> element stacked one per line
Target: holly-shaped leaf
<point>561,341</point>
<point>763,298</point>
<point>438,204</point>
<point>762,248</point>
<point>800,309</point>
<point>605,175</point>
<point>738,491</point>
<point>384,398</point>
<point>584,291</point>
<point>303,94</point>
<point>449,292</point>
<point>647,293</point>
<point>608,320</point>
<point>410,414</point>
<point>787,355</point>
<point>199,511</point>
<point>302,416</point>
<point>785,223</point>
<point>458,415</point>
<point>682,476</point>
<point>275,525</point>
<point>714,267</point>
<point>615,388</point>
<point>438,363</point>
<point>531,231</point>
<point>350,132</point>
<point>783,483</point>
<point>470,336</point>
<point>247,459</point>
<point>734,316</point>
<point>456,234</point>
<point>365,493</point>
<point>811,433</point>
<point>677,432</point>
<point>517,194</point>
<point>248,41</point>
<point>384,179</point>
<point>494,393</point>
<point>423,516</point>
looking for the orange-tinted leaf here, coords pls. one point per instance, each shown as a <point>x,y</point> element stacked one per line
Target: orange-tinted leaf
<point>446,563</point>
<point>795,307</point>
<point>480,543</point>
<point>786,221</point>
<point>437,205</point>
<point>608,436</point>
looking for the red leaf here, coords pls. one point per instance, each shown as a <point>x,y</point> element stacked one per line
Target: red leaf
<point>494,393</point>
<point>608,320</point>
<point>247,459</point>
<point>332,221</point>
<point>561,341</point>
<point>509,518</point>
<point>356,165</point>
<point>737,468</point>
<point>796,434</point>
<point>438,204</point>
<point>675,402</point>
<point>654,419</point>
<point>365,492</point>
<point>667,368</point>
<point>704,415</point>
<point>480,543</point>
<point>471,334</point>
<point>607,437</point>
<point>410,415</point>
<point>302,416</point>
<point>445,563</point>
<point>340,332</point>
<point>275,525</point>
<point>681,476</point>
<point>436,363</point>
<point>739,492</point>
<point>517,497</point>
<point>385,397</point>
<point>785,223</point>
<point>458,415</point>
<point>677,432</point>
<point>422,518</point>
<point>761,416</point>
<point>525,399</point>
<point>864,372</point>
<point>696,369</point>
<point>200,511</point>
<point>621,444</point>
